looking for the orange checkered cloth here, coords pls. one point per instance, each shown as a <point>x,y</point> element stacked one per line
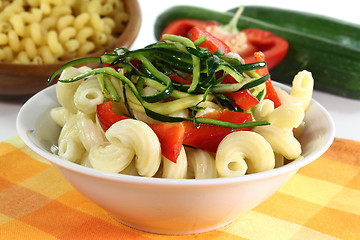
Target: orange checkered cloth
<point>321,201</point>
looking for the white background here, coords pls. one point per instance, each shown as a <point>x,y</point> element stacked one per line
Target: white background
<point>345,112</point>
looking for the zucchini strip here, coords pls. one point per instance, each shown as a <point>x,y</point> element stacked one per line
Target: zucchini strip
<point>151,67</point>
<point>196,61</point>
<point>158,116</point>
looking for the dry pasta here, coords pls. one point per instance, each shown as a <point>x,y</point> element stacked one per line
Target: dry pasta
<point>58,29</point>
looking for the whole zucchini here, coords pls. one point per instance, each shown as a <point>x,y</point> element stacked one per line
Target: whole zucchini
<point>331,54</point>
<point>309,23</point>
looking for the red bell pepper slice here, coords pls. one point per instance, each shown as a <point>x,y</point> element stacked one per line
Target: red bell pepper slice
<point>273,46</point>
<point>182,26</point>
<point>208,137</point>
<point>178,79</point>
<point>107,116</point>
<point>171,137</point>
<point>243,99</point>
<point>270,90</point>
<point>113,66</point>
<point>211,43</point>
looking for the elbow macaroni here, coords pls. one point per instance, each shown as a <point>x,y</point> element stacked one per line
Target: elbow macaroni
<point>55,25</point>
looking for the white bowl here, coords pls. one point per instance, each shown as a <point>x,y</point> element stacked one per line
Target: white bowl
<point>169,206</point>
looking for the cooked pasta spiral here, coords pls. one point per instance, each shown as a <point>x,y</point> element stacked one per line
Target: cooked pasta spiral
<point>139,136</point>
<point>110,158</point>
<point>301,91</point>
<point>243,152</point>
<point>88,95</point>
<point>175,170</point>
<point>282,140</point>
<point>70,145</point>
<point>201,163</point>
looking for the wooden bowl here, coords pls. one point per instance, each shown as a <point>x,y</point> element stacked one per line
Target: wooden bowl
<point>27,79</point>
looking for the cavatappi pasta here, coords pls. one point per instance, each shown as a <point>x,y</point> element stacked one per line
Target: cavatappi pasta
<point>131,145</point>
<point>48,31</point>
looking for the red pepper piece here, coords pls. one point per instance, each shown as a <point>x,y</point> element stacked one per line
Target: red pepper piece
<point>243,99</point>
<point>178,79</point>
<point>182,26</point>
<point>107,116</point>
<point>270,90</point>
<point>113,66</point>
<point>211,43</point>
<point>273,47</point>
<point>171,137</point>
<point>208,137</point>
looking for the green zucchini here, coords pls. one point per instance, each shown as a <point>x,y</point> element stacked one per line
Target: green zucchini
<point>331,54</point>
<point>325,27</point>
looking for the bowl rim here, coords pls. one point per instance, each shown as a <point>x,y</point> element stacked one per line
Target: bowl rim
<point>57,161</point>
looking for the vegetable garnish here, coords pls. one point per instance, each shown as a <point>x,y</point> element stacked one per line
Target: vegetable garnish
<point>229,37</point>
<point>161,65</point>
<point>331,54</point>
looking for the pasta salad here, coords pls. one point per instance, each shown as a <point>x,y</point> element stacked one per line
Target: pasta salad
<point>175,109</point>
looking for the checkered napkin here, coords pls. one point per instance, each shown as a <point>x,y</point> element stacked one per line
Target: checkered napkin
<point>322,201</point>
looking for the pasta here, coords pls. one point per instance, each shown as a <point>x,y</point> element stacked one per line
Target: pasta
<point>281,140</point>
<point>176,170</point>
<point>132,117</point>
<point>301,91</point>
<point>60,115</point>
<point>88,95</point>
<point>243,152</point>
<point>131,147</point>
<point>70,146</point>
<point>65,92</point>
<point>137,135</point>
<point>201,164</point>
<point>89,134</point>
<point>110,158</point>
<point>39,32</point>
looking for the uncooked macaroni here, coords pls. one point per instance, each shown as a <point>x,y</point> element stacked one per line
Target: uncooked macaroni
<point>36,32</point>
